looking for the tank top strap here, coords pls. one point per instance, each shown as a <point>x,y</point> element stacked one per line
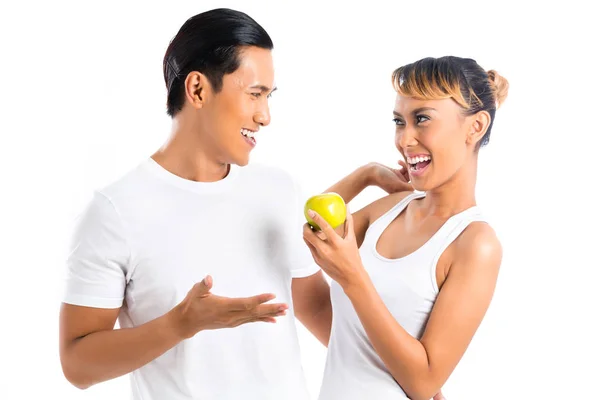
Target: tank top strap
<point>375,230</point>
<point>448,233</point>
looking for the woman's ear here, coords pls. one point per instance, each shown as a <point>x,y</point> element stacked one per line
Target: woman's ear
<point>479,125</point>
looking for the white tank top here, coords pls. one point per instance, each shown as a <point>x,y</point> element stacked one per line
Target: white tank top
<point>408,287</point>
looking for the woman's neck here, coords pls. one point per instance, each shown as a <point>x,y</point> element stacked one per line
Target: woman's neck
<point>454,196</point>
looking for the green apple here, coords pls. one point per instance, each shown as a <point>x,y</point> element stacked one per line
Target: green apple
<point>330,206</point>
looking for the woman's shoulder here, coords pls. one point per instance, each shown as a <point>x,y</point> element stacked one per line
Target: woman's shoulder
<point>479,233</point>
<point>479,244</point>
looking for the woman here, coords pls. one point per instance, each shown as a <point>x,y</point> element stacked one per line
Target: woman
<point>414,272</point>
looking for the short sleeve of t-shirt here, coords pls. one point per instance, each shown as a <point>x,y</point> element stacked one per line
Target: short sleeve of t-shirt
<point>97,258</point>
<point>303,264</point>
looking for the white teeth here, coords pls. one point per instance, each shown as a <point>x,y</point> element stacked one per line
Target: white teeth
<point>414,160</point>
<point>247,133</point>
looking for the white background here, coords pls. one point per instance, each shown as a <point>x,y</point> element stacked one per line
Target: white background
<point>82,101</point>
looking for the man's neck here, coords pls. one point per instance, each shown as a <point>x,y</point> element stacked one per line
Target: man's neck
<point>184,156</point>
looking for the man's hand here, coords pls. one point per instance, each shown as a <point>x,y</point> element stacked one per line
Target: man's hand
<point>202,310</point>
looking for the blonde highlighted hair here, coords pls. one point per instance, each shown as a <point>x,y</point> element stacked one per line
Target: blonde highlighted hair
<point>459,79</point>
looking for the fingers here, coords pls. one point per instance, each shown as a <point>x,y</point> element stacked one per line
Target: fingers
<point>233,312</point>
<point>208,282</point>
<point>404,178</point>
<point>203,288</point>
<point>312,248</point>
<point>320,234</point>
<point>309,231</point>
<point>247,303</point>
<point>316,242</point>
<point>310,236</point>
<point>314,252</point>
<point>404,171</point>
<point>349,226</point>
<point>324,225</point>
<point>264,311</point>
<point>270,320</point>
<point>269,310</point>
<point>250,319</point>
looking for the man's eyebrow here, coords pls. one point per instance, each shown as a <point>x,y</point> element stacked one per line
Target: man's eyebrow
<point>263,88</point>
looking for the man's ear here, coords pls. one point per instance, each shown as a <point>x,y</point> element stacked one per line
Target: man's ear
<point>197,89</point>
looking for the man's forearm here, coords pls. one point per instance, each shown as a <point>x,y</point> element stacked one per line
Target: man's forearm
<point>319,323</point>
<point>312,304</point>
<point>104,355</point>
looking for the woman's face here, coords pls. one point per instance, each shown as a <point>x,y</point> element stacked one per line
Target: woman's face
<point>435,138</point>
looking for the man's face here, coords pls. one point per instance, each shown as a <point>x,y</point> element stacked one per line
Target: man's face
<point>233,116</point>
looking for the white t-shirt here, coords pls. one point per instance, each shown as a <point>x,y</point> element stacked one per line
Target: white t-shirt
<point>144,241</point>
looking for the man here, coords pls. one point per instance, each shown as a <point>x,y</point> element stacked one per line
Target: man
<point>191,243</point>
<point>149,247</point>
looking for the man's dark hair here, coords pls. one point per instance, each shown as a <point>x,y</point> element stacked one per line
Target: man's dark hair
<point>210,43</point>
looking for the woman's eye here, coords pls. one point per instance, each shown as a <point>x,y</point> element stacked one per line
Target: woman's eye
<point>422,118</point>
<point>398,122</point>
